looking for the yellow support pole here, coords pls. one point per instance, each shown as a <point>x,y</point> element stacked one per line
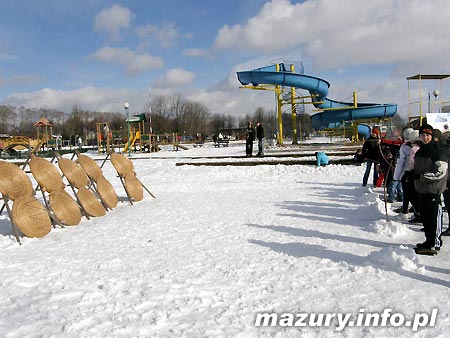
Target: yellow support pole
<point>294,112</point>
<point>355,100</point>
<point>420,91</point>
<point>279,112</point>
<point>409,106</point>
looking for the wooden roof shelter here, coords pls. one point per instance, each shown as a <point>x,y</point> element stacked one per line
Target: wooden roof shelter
<point>44,123</point>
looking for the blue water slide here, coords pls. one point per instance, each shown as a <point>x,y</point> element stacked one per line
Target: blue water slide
<point>318,88</point>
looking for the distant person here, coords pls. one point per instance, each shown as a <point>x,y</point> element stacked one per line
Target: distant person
<point>249,138</point>
<point>105,132</point>
<point>260,137</point>
<point>358,158</point>
<point>220,137</point>
<point>371,153</point>
<point>80,143</point>
<point>446,134</point>
<point>321,158</point>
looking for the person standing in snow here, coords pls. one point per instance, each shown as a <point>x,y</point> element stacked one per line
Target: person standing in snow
<point>371,153</point>
<point>260,137</point>
<point>445,145</point>
<point>249,138</point>
<point>401,167</point>
<point>430,180</point>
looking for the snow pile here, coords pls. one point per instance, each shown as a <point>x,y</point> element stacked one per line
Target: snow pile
<point>391,229</point>
<point>394,259</point>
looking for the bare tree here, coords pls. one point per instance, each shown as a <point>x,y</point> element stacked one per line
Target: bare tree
<point>197,119</point>
<point>178,108</point>
<point>7,117</point>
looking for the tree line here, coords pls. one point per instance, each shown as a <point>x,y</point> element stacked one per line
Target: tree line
<point>165,114</point>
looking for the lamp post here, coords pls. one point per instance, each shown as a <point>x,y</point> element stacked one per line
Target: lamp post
<point>436,94</point>
<point>126,105</point>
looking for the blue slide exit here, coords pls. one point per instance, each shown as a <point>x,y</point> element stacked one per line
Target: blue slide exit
<point>316,86</point>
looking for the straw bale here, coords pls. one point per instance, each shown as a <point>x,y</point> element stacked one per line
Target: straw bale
<point>90,167</point>
<point>14,182</point>
<point>74,173</point>
<point>134,187</point>
<point>46,174</point>
<point>90,203</point>
<point>107,192</point>
<point>65,208</point>
<point>122,164</point>
<point>31,217</point>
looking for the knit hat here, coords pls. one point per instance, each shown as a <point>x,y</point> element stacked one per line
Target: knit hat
<point>426,129</point>
<point>437,133</point>
<point>414,135</point>
<point>407,133</point>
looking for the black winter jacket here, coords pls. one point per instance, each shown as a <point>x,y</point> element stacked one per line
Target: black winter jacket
<point>371,149</point>
<point>259,132</point>
<point>430,169</point>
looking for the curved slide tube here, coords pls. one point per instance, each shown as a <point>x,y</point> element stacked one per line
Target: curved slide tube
<point>319,88</point>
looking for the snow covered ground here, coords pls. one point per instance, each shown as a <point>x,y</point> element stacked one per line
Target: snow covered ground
<point>217,247</point>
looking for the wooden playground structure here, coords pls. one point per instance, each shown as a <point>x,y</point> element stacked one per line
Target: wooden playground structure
<point>44,139</point>
<point>138,139</point>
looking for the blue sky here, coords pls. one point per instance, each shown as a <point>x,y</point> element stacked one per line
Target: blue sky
<point>98,54</point>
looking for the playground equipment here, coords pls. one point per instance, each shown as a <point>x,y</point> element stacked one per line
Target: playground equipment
<point>331,114</point>
<point>413,115</point>
<point>137,128</point>
<point>133,137</point>
<point>25,143</point>
<point>137,138</point>
<point>44,134</point>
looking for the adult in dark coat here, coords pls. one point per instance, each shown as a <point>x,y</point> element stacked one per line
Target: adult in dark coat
<point>371,153</point>
<point>260,137</point>
<point>430,180</point>
<point>249,138</point>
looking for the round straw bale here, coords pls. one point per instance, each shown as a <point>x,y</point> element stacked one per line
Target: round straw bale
<point>65,208</point>
<point>122,164</point>
<point>90,203</point>
<point>31,217</point>
<point>134,187</point>
<point>46,174</point>
<point>74,173</point>
<point>90,167</point>
<point>107,192</point>
<point>14,182</point>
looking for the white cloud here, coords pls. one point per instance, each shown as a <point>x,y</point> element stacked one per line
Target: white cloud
<point>111,20</point>
<point>197,52</point>
<point>225,99</point>
<point>89,98</point>
<point>21,80</point>
<point>334,34</point>
<point>133,62</point>
<point>167,35</point>
<point>175,77</point>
